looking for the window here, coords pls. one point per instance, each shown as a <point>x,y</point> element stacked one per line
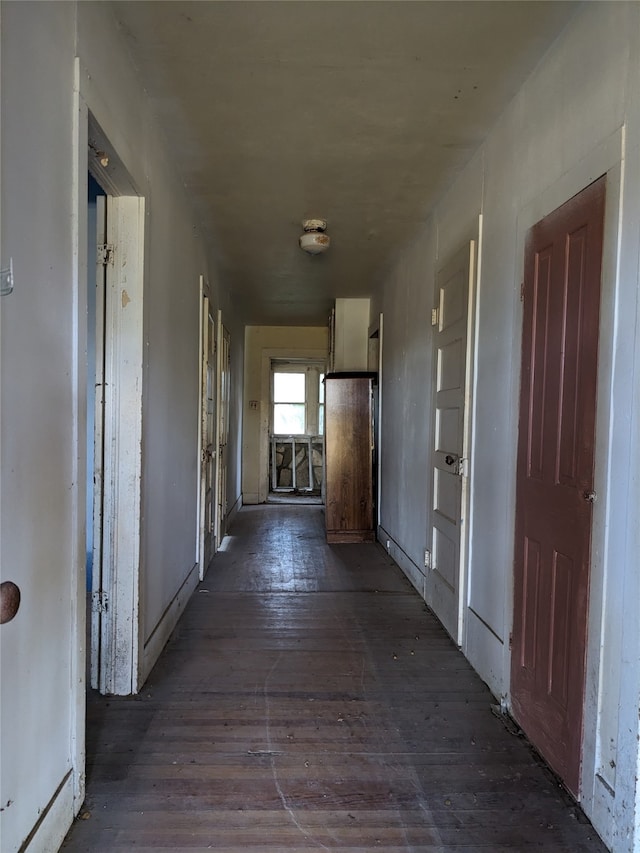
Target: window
<point>297,426</point>
<point>289,403</point>
<point>321,405</point>
<point>297,401</point>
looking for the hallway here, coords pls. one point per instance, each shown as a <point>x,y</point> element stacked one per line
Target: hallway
<point>309,701</point>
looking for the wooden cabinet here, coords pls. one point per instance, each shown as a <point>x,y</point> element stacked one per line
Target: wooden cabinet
<point>349,474</point>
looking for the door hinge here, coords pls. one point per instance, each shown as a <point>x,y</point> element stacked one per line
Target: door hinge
<point>510,640</point>
<point>434,316</point>
<point>105,254</point>
<point>522,291</point>
<point>99,602</point>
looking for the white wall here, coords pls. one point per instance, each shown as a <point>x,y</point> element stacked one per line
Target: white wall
<point>43,392</point>
<point>262,343</point>
<point>351,335</point>
<point>39,388</point>
<point>563,130</point>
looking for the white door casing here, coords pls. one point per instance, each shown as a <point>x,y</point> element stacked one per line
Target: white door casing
<point>223,348</point>
<point>207,446</point>
<point>452,321</point>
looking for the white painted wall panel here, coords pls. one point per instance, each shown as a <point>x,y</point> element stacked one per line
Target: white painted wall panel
<point>351,335</point>
<point>406,419</point>
<point>37,391</point>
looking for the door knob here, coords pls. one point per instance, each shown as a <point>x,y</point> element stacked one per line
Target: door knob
<point>9,601</point>
<point>589,495</point>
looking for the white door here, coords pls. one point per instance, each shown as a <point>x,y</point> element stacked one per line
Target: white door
<point>208,544</point>
<point>224,383</point>
<point>98,603</point>
<point>449,516</point>
<point>116,559</point>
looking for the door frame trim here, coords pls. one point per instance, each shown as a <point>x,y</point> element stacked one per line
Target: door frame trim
<point>267,355</point>
<point>79,229</point>
<point>607,158</point>
<point>205,301</point>
<point>123,462</point>
<point>473,243</point>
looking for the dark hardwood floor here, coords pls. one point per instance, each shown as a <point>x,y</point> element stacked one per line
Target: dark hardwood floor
<point>308,700</point>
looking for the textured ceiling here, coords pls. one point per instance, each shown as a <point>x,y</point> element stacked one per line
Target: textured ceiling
<point>361,113</point>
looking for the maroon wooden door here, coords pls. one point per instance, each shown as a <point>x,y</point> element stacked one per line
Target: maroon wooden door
<point>554,492</point>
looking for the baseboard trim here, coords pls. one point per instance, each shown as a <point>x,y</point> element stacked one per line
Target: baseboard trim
<point>55,819</point>
<point>167,622</point>
<point>234,510</point>
<point>403,560</point>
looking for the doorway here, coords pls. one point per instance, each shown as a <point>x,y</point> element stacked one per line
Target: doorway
<point>117,256</point>
<point>208,542</point>
<point>452,321</point>
<point>96,275</point>
<point>296,431</point>
<point>223,346</point>
<point>554,488</point>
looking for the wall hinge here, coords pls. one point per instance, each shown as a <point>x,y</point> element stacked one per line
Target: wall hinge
<point>99,602</point>
<point>105,254</point>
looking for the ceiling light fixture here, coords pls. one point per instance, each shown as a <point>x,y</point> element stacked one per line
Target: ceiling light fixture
<point>314,241</point>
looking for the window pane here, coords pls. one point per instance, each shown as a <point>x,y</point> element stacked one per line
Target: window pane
<point>321,420</point>
<point>289,388</point>
<point>321,389</point>
<point>288,419</point>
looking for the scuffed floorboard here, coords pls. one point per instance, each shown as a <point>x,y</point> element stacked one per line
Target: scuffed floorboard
<point>308,700</point>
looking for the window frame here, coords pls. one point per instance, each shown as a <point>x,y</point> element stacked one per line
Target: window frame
<point>313,370</point>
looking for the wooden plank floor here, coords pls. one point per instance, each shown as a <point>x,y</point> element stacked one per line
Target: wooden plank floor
<point>308,700</point>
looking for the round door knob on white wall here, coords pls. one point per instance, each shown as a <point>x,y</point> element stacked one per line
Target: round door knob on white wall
<point>9,601</point>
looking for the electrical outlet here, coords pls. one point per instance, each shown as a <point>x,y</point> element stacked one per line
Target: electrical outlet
<point>427,558</point>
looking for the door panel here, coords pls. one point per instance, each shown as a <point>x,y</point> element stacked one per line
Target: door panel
<point>555,477</point>
<point>224,384</point>
<point>452,385</point>
<point>97,601</point>
<point>208,544</point>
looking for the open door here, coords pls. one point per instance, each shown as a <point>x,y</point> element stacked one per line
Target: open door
<point>98,602</point>
<point>452,319</point>
<point>554,492</point>
<point>207,516</point>
<point>224,385</point>
<point>115,653</point>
